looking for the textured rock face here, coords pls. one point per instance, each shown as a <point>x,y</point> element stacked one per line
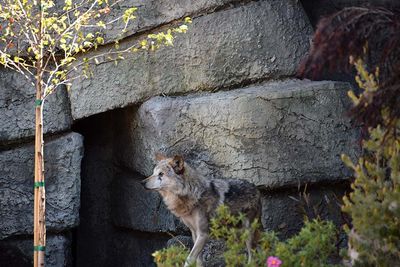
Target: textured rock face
<point>17,110</point>
<point>12,256</point>
<point>152,13</point>
<point>58,250</point>
<point>283,211</point>
<point>259,40</point>
<point>275,134</point>
<point>62,168</point>
<point>140,209</point>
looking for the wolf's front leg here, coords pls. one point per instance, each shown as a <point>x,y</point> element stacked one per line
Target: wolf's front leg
<point>197,248</point>
<point>249,241</point>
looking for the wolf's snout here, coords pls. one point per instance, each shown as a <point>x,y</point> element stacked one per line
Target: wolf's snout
<point>143,183</point>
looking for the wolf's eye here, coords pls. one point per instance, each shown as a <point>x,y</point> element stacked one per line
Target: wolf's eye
<point>161,174</point>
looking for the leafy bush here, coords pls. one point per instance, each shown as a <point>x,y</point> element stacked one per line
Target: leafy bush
<point>313,246</point>
<point>374,205</point>
<point>173,256</point>
<point>369,33</point>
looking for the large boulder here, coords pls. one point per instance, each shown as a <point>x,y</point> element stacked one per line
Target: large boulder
<point>62,171</point>
<point>311,202</point>
<point>154,13</point>
<point>58,251</point>
<point>251,42</point>
<point>274,134</point>
<point>17,108</point>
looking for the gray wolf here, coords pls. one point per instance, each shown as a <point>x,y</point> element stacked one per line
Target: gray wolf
<point>194,199</point>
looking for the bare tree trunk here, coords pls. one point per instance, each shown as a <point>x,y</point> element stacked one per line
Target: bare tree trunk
<point>40,197</point>
<point>39,227</point>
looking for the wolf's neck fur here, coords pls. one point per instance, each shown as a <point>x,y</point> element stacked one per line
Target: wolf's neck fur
<point>183,201</point>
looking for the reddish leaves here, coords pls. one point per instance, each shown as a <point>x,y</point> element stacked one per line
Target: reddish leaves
<point>348,33</point>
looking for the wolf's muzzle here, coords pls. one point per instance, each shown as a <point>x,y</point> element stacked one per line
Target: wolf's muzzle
<point>143,183</point>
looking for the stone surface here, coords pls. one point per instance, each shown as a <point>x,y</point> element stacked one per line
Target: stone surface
<point>212,254</point>
<point>11,256</point>
<point>129,248</point>
<point>258,40</point>
<point>150,14</point>
<point>274,134</point>
<point>17,110</point>
<point>140,209</point>
<point>284,210</point>
<point>62,173</point>
<point>153,13</point>
<point>58,251</point>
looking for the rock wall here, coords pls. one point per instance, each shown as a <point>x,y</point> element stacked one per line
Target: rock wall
<point>63,154</point>
<point>238,44</point>
<point>224,96</point>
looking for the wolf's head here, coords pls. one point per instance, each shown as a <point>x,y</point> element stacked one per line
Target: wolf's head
<point>167,174</point>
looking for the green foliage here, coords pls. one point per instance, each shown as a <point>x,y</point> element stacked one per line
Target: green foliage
<point>374,204</point>
<point>173,256</point>
<point>313,246</point>
<point>228,227</point>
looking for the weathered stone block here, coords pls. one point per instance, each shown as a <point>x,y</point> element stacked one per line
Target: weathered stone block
<point>62,171</point>
<point>275,134</point>
<point>17,110</point>
<point>11,256</point>
<point>140,209</point>
<point>150,14</point>
<point>58,250</point>
<point>258,40</point>
<point>153,13</point>
<point>283,211</point>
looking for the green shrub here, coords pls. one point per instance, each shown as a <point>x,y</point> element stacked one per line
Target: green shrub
<point>227,227</point>
<point>374,239</point>
<point>374,203</point>
<point>313,246</point>
<point>173,256</point>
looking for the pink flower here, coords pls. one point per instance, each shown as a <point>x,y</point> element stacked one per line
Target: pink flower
<point>273,261</point>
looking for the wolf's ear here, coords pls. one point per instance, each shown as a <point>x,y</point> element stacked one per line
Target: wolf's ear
<point>178,164</point>
<point>159,156</point>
